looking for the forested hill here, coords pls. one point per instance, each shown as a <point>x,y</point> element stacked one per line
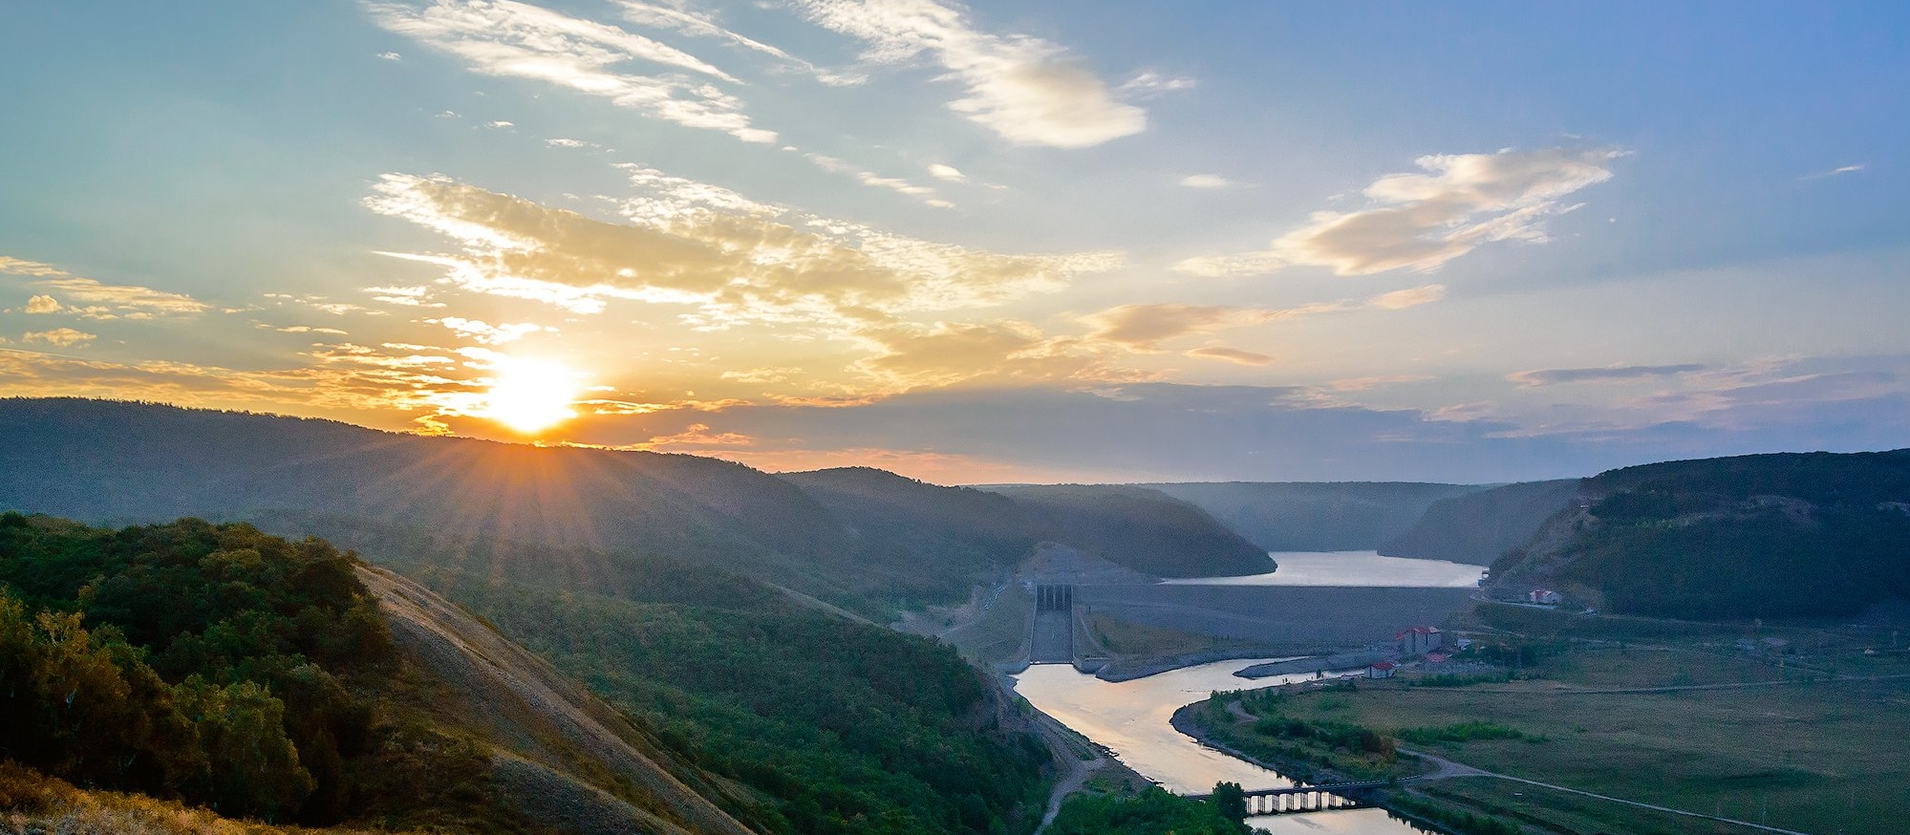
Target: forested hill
<point>1751,536</point>
<point>1314,516</point>
<point>221,667</point>
<point>1142,529</point>
<point>118,461</point>
<point>1479,527</point>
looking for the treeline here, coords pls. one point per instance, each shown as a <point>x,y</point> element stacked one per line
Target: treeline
<point>1150,812</point>
<point>210,663</point>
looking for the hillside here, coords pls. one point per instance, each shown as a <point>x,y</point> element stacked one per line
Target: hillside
<point>1314,516</point>
<point>286,681</point>
<point>863,539</point>
<point>954,529</point>
<point>1478,527</point>
<point>1813,534</point>
<point>1143,529</point>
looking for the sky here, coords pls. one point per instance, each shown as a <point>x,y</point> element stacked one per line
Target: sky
<point>1003,241</point>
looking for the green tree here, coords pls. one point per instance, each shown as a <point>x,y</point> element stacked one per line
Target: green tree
<point>1231,800</point>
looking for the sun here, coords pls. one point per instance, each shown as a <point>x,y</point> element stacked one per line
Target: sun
<point>530,396</point>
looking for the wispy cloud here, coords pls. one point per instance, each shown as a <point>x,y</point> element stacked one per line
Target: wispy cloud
<point>1557,376</point>
<point>1420,221</point>
<point>1143,327</point>
<point>1834,172</point>
<point>1233,355</point>
<point>507,38</point>
<point>1207,181</point>
<point>870,178</point>
<point>91,299</point>
<point>59,337</point>
<point>1025,89</point>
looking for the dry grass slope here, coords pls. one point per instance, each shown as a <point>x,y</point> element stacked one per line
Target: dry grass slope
<point>577,756</point>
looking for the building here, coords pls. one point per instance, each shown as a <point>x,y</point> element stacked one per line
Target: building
<point>1420,640</point>
<point>1381,669</point>
<point>1545,596</point>
<point>1437,658</point>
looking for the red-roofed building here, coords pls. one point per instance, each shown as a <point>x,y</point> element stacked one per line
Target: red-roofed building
<point>1420,640</point>
<point>1381,669</point>
<point>1437,658</point>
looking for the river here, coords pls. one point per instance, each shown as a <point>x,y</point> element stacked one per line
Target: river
<point>1131,718</point>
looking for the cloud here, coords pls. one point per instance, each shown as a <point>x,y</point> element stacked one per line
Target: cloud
<point>488,334</point>
<point>59,337</point>
<point>705,25</point>
<point>1151,83</point>
<point>1025,89</point>
<point>1207,181</point>
<point>310,329</point>
<point>727,259</point>
<point>21,266</point>
<point>1557,376</point>
<point>1420,221</point>
<point>1834,172</point>
<point>1233,355</point>
<point>870,178</point>
<point>947,172</point>
<point>1410,297</point>
<point>1002,353</point>
<point>566,143</point>
<point>1142,327</point>
<point>391,56</point>
<point>507,38</point>
<point>500,124</point>
<point>97,300</point>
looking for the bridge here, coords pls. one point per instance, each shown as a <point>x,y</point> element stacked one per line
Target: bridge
<point>1294,799</point>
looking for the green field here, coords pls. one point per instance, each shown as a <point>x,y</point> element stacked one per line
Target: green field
<point>1810,754</point>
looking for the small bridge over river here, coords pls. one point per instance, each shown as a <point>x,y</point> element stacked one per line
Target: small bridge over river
<point>1294,799</point>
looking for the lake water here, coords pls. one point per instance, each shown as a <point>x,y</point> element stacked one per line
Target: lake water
<point>1131,719</point>
<point>1351,568</point>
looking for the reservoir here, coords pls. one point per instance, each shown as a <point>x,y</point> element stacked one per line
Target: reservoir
<point>1131,718</point>
<point>1351,568</point>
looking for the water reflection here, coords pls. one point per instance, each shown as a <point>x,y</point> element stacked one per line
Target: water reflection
<point>1351,568</point>
<point>1131,718</point>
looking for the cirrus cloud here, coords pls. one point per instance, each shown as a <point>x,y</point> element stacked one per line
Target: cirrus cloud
<point>1421,220</point>
<point>1025,89</point>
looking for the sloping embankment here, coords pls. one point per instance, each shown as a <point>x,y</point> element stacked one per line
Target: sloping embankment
<point>553,729</point>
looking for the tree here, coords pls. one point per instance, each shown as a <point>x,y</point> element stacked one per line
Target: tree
<point>1231,800</point>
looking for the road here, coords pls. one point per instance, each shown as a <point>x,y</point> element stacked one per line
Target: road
<point>1448,769</point>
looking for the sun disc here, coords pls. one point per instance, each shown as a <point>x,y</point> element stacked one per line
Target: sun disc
<point>530,396</point>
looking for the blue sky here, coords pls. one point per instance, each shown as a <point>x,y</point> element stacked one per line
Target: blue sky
<point>1000,241</point>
